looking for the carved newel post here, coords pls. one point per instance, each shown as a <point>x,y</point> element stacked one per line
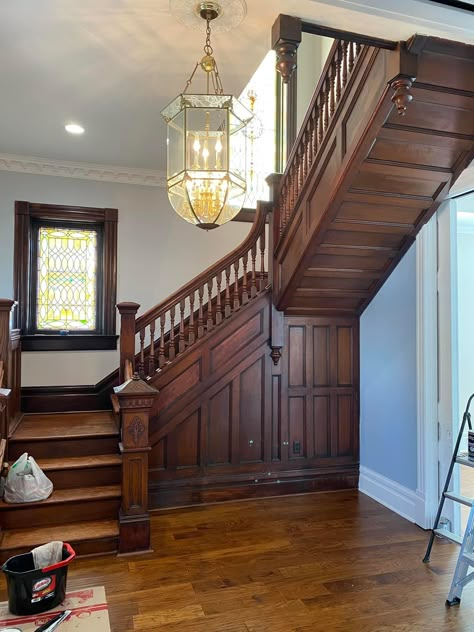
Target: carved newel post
<point>128,312</point>
<point>136,398</point>
<point>6,306</point>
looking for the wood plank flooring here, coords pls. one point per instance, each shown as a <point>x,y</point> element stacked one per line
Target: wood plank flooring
<point>336,562</point>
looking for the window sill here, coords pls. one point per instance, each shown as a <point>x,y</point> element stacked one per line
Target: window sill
<point>71,342</point>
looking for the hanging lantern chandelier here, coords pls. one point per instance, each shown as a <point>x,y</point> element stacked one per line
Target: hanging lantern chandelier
<point>206,144</point>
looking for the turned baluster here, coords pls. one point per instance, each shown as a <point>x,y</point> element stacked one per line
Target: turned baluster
<point>141,362</point>
<point>306,151</point>
<point>253,280</point>
<point>321,117</point>
<point>301,169</point>
<point>210,321</point>
<point>191,332</point>
<point>181,340</point>
<point>311,155</point>
<point>262,260</point>
<point>344,63</point>
<point>200,312</point>
<point>227,306</point>
<point>245,294</point>
<point>351,56</point>
<point>326,103</point>
<point>332,102</point>
<point>236,285</point>
<point>358,49</point>
<point>218,301</point>
<point>161,352</point>
<point>315,131</point>
<point>151,357</point>
<point>338,72</point>
<point>172,347</point>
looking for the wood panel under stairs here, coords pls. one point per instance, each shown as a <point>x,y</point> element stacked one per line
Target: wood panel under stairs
<point>79,453</point>
<point>377,176</point>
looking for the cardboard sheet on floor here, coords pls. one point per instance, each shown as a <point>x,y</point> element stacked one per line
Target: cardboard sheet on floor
<point>89,613</point>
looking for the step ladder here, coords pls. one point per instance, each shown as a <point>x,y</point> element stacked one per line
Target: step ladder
<point>466,555</point>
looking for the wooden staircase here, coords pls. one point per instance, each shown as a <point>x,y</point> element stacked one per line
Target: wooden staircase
<point>79,453</point>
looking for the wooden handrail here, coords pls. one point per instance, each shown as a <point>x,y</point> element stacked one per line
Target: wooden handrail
<point>328,97</point>
<point>166,330</point>
<point>193,285</point>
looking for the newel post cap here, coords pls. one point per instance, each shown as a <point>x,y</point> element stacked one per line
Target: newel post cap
<point>135,392</point>
<point>128,308</point>
<point>6,304</point>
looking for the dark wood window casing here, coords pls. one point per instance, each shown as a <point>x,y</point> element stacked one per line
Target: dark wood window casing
<point>28,218</point>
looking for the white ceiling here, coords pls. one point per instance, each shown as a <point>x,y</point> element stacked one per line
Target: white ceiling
<point>112,65</point>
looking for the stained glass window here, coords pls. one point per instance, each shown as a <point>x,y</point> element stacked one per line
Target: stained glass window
<point>67,279</point>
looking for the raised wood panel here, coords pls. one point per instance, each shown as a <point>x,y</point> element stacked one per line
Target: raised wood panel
<point>388,179</point>
<point>297,427</point>
<point>321,355</point>
<point>324,283</point>
<point>252,413</point>
<point>242,337</point>
<point>188,379</point>
<point>321,191</point>
<point>373,262</point>
<point>404,151</point>
<point>157,456</point>
<point>297,362</point>
<point>276,418</point>
<point>364,100</point>
<point>344,424</point>
<point>445,70</point>
<point>219,427</point>
<point>322,425</point>
<point>345,355</point>
<point>187,441</point>
<point>432,116</point>
<point>362,241</point>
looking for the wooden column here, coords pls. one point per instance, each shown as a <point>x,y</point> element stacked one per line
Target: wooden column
<point>286,37</point>
<point>135,398</point>
<point>128,312</point>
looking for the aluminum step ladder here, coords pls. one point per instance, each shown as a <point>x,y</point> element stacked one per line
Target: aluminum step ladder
<point>460,578</point>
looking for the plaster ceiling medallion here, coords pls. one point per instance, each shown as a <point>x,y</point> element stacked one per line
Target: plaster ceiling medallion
<point>229,13</point>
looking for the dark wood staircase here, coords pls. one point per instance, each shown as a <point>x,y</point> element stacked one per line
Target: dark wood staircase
<point>79,453</point>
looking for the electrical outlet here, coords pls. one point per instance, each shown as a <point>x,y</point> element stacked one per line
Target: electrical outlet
<point>296,447</point>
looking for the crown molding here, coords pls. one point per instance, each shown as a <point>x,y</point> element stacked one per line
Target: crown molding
<point>82,170</point>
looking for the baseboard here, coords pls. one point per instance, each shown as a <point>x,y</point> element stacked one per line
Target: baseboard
<point>198,491</point>
<point>396,497</point>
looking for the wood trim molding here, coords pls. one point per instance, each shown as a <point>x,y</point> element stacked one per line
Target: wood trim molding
<point>105,219</point>
<point>81,170</point>
<point>427,375</point>
<point>349,36</point>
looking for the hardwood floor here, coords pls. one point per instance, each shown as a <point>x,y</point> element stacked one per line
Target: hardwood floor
<point>336,562</point>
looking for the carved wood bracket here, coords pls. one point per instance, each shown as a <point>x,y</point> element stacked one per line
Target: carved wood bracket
<point>286,37</point>
<point>402,96</point>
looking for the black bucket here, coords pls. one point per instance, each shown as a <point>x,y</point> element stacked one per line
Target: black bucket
<point>31,590</point>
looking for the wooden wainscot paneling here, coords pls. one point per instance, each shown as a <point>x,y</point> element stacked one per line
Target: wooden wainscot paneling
<point>263,427</point>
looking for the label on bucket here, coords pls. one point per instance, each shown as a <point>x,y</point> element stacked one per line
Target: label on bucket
<point>43,588</point>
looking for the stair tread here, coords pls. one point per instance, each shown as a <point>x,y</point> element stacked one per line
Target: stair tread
<point>76,532</point>
<point>68,495</point>
<point>39,427</point>
<point>79,462</point>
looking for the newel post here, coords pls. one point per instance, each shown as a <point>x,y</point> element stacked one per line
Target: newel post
<point>128,312</point>
<point>6,306</point>
<point>135,398</point>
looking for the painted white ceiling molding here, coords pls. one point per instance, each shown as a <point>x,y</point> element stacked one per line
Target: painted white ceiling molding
<point>81,170</point>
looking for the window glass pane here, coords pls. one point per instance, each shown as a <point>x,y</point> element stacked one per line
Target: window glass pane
<point>67,279</point>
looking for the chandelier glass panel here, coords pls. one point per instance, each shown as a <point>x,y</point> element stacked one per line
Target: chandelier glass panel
<point>206,149</point>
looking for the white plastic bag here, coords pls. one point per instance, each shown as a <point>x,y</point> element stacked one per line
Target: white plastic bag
<point>26,482</point>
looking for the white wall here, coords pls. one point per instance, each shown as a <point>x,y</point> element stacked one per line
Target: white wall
<point>388,406</point>
<point>312,54</point>
<point>157,253</point>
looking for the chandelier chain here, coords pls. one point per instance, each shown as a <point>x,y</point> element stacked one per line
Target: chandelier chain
<point>207,46</point>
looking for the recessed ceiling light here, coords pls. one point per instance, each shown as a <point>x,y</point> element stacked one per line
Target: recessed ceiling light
<point>73,128</point>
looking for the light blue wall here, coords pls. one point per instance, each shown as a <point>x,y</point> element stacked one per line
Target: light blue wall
<point>388,377</point>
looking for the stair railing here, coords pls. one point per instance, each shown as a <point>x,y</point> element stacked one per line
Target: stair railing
<point>311,140</point>
<point>165,331</point>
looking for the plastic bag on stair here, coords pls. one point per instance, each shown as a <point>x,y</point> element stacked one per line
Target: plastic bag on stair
<point>26,482</point>
<point>47,554</point>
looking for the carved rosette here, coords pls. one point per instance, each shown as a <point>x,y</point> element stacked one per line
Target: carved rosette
<point>402,97</point>
<point>136,430</point>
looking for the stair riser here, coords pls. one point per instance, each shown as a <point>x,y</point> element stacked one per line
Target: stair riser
<point>90,547</point>
<point>90,477</point>
<point>21,516</point>
<point>50,448</point>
